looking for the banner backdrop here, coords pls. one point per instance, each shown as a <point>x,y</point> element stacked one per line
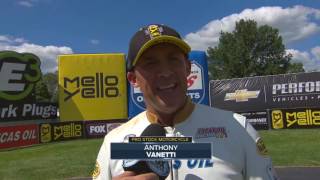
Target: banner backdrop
<point>266,92</point>
<point>92,87</point>
<point>17,136</point>
<point>197,85</point>
<point>295,118</point>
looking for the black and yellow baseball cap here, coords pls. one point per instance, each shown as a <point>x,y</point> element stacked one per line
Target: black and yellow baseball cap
<point>149,36</point>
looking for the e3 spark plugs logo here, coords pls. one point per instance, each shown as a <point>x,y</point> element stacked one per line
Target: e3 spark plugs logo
<point>98,86</point>
<point>19,73</point>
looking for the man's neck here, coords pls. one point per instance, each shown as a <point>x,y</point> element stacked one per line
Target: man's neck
<point>166,119</point>
<point>170,119</point>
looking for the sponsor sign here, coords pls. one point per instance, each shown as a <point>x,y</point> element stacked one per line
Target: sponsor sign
<point>266,92</point>
<point>197,83</point>
<point>198,78</point>
<point>61,131</point>
<point>19,73</point>
<point>295,118</point>
<point>17,136</point>
<point>259,120</point>
<point>95,129</point>
<point>28,111</point>
<point>92,87</point>
<point>45,133</point>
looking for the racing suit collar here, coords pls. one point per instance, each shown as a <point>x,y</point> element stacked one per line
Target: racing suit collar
<point>180,116</point>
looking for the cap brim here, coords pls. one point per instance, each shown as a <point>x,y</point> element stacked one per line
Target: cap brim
<point>163,39</point>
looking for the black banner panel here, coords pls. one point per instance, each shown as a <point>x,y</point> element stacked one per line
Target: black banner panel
<point>286,91</point>
<point>259,120</point>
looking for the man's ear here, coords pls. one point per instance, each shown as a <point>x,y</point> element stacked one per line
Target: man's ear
<point>132,78</point>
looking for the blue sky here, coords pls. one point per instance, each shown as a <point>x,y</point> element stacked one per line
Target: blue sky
<point>52,27</point>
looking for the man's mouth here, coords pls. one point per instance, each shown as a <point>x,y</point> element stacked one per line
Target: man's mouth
<point>167,87</point>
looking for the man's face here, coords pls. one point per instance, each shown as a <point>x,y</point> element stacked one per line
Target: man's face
<point>161,74</point>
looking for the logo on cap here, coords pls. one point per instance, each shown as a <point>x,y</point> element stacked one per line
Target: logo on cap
<point>154,31</point>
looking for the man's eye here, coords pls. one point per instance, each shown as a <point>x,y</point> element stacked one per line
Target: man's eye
<point>175,60</point>
<point>150,63</point>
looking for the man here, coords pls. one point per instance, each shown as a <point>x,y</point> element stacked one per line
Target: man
<point>158,64</point>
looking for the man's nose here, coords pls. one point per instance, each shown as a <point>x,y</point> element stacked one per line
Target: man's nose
<point>165,71</point>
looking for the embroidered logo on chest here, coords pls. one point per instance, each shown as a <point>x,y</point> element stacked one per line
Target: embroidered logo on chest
<point>216,132</point>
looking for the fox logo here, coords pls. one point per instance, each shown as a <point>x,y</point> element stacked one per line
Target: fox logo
<point>19,73</point>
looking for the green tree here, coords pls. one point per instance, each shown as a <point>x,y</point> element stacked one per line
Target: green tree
<point>41,92</point>
<point>51,80</point>
<point>250,51</point>
<point>295,68</point>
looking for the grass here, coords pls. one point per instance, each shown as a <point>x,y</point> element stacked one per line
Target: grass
<point>293,147</point>
<point>76,158</point>
<point>50,161</point>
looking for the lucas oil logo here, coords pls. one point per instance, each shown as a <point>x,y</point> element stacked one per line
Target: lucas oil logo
<point>195,84</point>
<point>99,85</point>
<point>19,73</point>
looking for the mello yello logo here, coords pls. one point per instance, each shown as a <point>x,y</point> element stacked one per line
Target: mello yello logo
<point>95,86</point>
<point>18,74</point>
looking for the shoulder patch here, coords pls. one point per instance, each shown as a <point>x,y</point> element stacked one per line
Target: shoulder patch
<point>261,148</point>
<point>96,171</point>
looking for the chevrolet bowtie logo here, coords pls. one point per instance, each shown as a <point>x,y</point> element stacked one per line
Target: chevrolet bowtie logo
<point>241,95</point>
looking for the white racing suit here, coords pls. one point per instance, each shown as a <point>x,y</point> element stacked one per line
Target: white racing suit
<point>235,154</point>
